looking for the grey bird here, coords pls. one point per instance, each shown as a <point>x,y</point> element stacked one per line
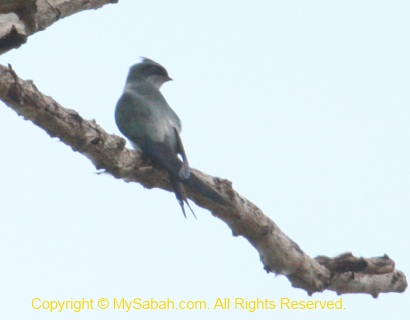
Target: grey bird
<point>143,115</point>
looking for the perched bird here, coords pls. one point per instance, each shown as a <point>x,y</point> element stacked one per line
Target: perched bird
<point>143,115</point>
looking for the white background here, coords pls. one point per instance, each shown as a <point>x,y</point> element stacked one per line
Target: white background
<point>303,105</point>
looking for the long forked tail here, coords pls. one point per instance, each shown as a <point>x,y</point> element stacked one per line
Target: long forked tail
<point>179,173</point>
<point>180,194</point>
<point>196,185</point>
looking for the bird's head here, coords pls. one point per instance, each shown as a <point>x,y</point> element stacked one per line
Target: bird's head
<point>148,70</point>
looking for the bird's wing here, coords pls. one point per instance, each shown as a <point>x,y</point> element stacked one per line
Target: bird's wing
<point>137,119</point>
<point>184,172</point>
<point>161,154</point>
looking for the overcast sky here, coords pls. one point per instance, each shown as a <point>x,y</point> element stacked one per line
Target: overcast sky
<point>303,105</point>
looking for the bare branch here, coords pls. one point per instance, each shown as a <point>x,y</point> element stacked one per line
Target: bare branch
<point>21,18</point>
<point>278,253</point>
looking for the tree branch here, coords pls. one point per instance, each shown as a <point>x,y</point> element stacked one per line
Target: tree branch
<point>278,253</point>
<point>21,18</point>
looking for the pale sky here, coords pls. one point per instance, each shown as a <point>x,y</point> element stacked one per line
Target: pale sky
<point>304,106</point>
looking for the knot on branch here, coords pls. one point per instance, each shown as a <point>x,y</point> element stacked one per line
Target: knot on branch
<point>346,262</point>
<point>17,22</point>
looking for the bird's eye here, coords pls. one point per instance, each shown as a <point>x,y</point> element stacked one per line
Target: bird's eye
<point>159,71</point>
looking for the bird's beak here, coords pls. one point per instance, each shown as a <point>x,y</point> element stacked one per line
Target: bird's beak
<point>170,79</point>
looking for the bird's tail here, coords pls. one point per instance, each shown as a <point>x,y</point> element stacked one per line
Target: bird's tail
<point>180,194</point>
<point>197,185</point>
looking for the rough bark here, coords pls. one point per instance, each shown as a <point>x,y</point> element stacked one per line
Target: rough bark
<point>279,254</point>
<point>21,18</point>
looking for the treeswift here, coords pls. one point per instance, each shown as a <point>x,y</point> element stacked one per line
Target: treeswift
<point>143,115</point>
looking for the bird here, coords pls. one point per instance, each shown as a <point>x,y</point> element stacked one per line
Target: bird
<point>144,117</point>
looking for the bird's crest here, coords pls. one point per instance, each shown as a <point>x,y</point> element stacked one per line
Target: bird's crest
<point>145,59</point>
